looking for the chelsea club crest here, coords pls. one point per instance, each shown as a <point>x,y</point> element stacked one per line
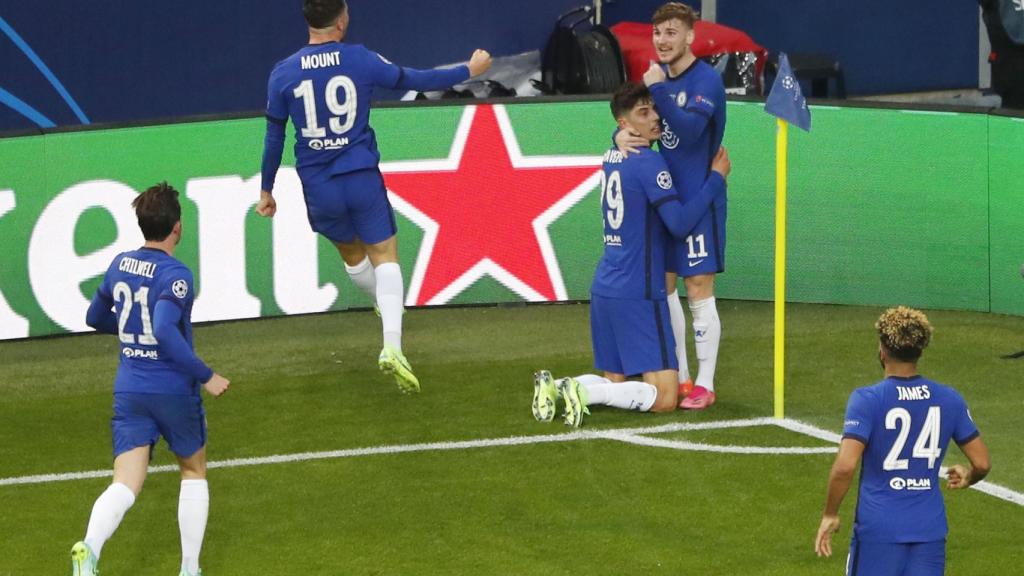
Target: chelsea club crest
<point>681,99</point>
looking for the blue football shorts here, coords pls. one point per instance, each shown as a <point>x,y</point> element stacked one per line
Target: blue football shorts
<point>351,206</point>
<point>892,559</point>
<point>703,252</point>
<point>141,419</point>
<point>631,336</point>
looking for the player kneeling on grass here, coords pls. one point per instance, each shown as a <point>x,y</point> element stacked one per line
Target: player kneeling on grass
<point>901,428</point>
<point>146,299</point>
<point>629,317</point>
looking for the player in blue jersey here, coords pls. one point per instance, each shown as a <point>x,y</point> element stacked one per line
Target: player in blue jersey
<point>326,88</point>
<point>146,300</point>
<point>900,428</point>
<point>629,318</point>
<point>690,98</point>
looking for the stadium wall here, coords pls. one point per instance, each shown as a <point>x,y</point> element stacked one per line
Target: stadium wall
<point>68,63</point>
<point>499,203</point>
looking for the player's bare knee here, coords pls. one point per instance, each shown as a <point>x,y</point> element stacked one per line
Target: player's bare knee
<point>383,252</point>
<point>353,253</point>
<point>700,287</point>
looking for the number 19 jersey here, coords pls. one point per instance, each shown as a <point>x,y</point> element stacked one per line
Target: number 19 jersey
<point>326,90</point>
<point>906,425</point>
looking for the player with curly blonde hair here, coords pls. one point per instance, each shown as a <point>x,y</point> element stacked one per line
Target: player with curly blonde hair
<point>901,428</point>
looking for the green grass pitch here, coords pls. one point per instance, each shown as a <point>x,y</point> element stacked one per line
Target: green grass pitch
<point>587,505</point>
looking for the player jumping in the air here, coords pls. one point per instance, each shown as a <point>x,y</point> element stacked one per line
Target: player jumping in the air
<point>146,300</point>
<point>326,88</point>
<point>628,313</point>
<point>690,98</point>
<point>900,428</point>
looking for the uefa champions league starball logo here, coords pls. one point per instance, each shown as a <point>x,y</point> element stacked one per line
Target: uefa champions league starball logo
<point>180,288</point>
<point>788,82</point>
<point>664,180</point>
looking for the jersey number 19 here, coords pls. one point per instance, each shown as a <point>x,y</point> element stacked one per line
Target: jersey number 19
<point>339,108</point>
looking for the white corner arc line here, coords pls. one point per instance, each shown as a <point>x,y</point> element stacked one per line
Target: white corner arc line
<point>1001,492</point>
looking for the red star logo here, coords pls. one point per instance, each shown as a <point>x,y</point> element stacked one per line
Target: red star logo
<point>485,210</point>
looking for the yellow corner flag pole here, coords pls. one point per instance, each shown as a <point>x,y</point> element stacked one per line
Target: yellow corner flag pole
<point>781,143</point>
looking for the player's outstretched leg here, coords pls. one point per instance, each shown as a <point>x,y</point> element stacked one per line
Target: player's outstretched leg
<point>83,561</point>
<point>574,395</point>
<point>545,396</point>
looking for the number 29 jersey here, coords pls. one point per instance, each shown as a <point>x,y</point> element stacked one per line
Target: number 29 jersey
<point>635,237</point>
<point>906,425</point>
<point>133,284</point>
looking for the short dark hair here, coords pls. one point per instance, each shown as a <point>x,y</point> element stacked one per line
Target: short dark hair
<point>676,11</point>
<point>323,13</point>
<point>627,97</point>
<point>904,333</point>
<point>158,210</point>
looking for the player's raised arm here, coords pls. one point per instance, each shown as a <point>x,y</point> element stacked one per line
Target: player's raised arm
<point>680,217</point>
<point>388,75</point>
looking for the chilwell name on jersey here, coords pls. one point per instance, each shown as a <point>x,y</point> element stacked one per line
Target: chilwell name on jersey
<point>138,267</point>
<point>314,61</point>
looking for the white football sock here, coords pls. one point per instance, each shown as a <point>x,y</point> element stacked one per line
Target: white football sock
<point>675,312</point>
<point>390,297</point>
<point>638,396</point>
<point>193,509</point>
<point>363,277</point>
<point>589,379</point>
<point>107,513</point>
<point>707,331</point>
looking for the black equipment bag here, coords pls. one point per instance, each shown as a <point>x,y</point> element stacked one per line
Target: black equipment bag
<point>581,57</point>
<point>1004,20</point>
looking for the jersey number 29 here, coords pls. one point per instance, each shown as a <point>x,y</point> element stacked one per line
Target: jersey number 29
<point>611,191</point>
<point>345,107</point>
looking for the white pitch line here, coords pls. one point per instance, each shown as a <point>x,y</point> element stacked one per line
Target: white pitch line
<point>1001,492</point>
<point>700,447</point>
<point>637,436</point>
<point>400,449</point>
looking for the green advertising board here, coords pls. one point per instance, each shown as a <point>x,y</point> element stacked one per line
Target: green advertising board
<point>500,204</point>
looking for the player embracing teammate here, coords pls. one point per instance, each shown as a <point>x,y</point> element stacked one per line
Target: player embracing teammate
<point>689,96</point>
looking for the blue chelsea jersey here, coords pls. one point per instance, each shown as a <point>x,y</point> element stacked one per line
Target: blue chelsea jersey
<point>135,282</point>
<point>906,425</point>
<point>326,89</point>
<point>693,115</point>
<point>633,263</point>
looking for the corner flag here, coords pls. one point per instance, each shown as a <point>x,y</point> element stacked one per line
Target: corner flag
<point>786,102</point>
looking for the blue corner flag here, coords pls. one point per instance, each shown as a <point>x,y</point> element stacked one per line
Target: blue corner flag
<point>786,101</point>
